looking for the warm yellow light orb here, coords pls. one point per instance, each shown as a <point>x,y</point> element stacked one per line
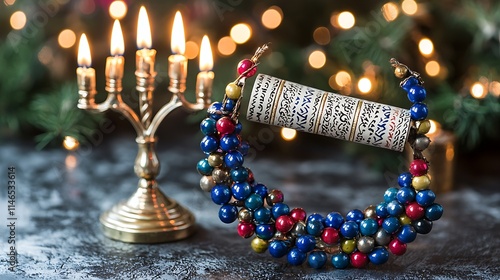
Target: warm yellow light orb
<point>192,50</point>
<point>70,143</point>
<point>342,78</point>
<point>426,47</point>
<point>9,2</point>
<point>409,7</point>
<point>240,33</point>
<point>321,35</point>
<point>67,38</point>
<point>478,90</point>
<point>288,134</point>
<point>118,9</point>
<point>495,88</point>
<point>432,68</point>
<point>346,20</point>
<point>317,59</point>
<point>364,85</point>
<point>272,17</point>
<point>390,11</point>
<point>226,46</point>
<point>18,20</point>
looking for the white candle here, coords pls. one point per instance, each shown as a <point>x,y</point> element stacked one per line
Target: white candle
<point>145,56</point>
<point>205,78</point>
<point>115,62</point>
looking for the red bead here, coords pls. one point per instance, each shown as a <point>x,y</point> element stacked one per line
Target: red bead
<point>359,260</point>
<point>380,221</point>
<point>298,214</point>
<point>414,211</point>
<point>225,126</point>
<point>397,247</point>
<point>244,65</point>
<point>330,235</point>
<point>284,223</point>
<point>251,178</point>
<point>246,230</point>
<point>418,167</point>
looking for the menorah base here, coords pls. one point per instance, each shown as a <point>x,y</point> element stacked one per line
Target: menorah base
<point>148,216</point>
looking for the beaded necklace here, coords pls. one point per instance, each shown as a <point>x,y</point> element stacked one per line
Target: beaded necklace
<point>359,238</point>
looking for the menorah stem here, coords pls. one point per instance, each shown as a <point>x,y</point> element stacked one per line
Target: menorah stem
<point>145,88</point>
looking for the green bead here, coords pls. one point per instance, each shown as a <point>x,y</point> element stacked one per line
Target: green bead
<point>259,245</point>
<point>233,91</point>
<point>348,245</point>
<point>404,220</point>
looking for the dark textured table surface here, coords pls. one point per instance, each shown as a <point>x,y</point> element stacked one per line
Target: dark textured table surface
<point>60,196</point>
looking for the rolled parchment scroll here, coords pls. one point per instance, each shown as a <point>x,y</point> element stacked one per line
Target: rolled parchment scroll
<point>282,103</point>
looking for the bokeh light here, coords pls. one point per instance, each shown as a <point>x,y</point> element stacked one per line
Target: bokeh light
<point>226,46</point>
<point>435,128</point>
<point>70,143</point>
<point>272,17</point>
<point>409,7</point>
<point>67,38</point>
<point>240,33</point>
<point>364,85</point>
<point>317,59</point>
<point>432,68</point>
<point>288,134</point>
<point>45,55</point>
<point>192,50</point>
<point>390,11</point>
<point>321,35</point>
<point>9,2</point>
<point>71,162</point>
<point>478,90</point>
<point>18,20</point>
<point>346,20</point>
<point>118,9</point>
<point>426,46</point>
<point>495,88</point>
<point>342,78</point>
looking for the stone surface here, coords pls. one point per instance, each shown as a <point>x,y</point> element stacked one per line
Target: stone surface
<point>60,196</point>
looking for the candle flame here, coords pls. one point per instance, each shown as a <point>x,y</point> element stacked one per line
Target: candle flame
<point>178,41</point>
<point>206,59</point>
<point>143,30</point>
<point>117,44</point>
<point>84,58</point>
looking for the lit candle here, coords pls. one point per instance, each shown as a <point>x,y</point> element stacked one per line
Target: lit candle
<point>115,62</point>
<point>177,63</point>
<point>85,74</point>
<point>145,56</point>
<point>205,78</point>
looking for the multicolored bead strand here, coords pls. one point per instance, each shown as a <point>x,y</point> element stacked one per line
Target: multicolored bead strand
<point>359,238</point>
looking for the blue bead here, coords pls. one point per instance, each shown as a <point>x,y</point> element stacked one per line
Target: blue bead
<point>382,210</point>
<point>394,208</point>
<point>305,243</point>
<point>315,227</point>
<point>238,128</point>
<point>216,106</point>
<point>229,142</point>
<point>407,234</point>
<point>296,257</point>
<point>278,248</point>
<point>207,126</point>
<point>228,213</point>
<point>425,198</point>
<point>391,225</point>
<point>422,226</point>
<point>265,231</point>
<point>244,147</point>
<point>417,94</point>
<point>315,217</point>
<point>280,209</point>
<point>368,226</point>
<point>340,260</point>
<point>334,220</point>
<point>220,194</point>
<point>241,190</point>
<point>406,195</point>
<point>379,255</point>
<point>239,175</point>
<point>204,167</point>
<point>209,144</point>
<point>355,215</point>
<point>408,83</point>
<point>404,179</point>
<point>262,215</point>
<point>260,189</point>
<point>419,111</point>
<point>317,259</point>
<point>229,105</point>
<point>390,194</point>
<point>434,212</point>
<point>254,201</point>
<point>233,159</point>
<point>349,229</point>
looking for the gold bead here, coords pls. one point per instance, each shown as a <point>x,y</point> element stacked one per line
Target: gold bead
<point>233,91</point>
<point>371,212</point>
<point>245,215</point>
<point>400,71</point>
<point>423,126</point>
<point>421,182</point>
<point>259,245</point>
<point>335,249</point>
<point>348,245</point>
<point>215,159</point>
<point>404,220</point>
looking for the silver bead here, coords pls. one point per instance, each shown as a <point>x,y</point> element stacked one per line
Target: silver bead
<point>207,183</point>
<point>370,212</point>
<point>298,229</point>
<point>245,215</point>
<point>382,237</point>
<point>421,143</point>
<point>365,244</point>
<point>219,175</point>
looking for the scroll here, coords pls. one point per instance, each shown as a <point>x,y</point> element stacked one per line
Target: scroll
<point>282,103</point>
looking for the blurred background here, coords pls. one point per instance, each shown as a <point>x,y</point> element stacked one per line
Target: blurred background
<point>337,46</point>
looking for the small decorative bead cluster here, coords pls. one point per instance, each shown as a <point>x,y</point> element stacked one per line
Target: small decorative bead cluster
<point>355,240</point>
